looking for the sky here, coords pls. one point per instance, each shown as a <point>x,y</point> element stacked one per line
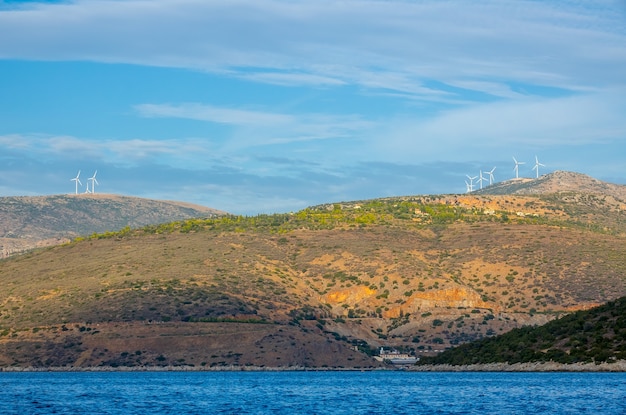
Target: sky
<point>270,106</point>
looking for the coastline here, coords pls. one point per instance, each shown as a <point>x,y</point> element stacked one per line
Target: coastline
<point>230,368</point>
<point>618,366</point>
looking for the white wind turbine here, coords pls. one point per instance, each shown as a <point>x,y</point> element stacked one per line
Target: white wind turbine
<point>516,168</point>
<point>490,173</point>
<point>471,183</point>
<point>94,182</point>
<point>468,188</point>
<point>537,164</point>
<point>77,180</point>
<point>481,179</point>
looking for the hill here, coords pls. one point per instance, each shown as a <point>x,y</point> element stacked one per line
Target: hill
<point>28,222</point>
<point>556,182</point>
<point>326,286</point>
<point>596,335</point>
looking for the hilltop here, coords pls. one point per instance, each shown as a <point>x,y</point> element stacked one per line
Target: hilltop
<point>323,287</point>
<point>28,222</point>
<point>556,182</point>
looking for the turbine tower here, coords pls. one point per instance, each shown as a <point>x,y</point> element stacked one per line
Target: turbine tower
<point>94,182</point>
<point>516,168</point>
<point>537,164</point>
<point>471,183</point>
<point>77,180</point>
<point>481,179</point>
<point>490,173</point>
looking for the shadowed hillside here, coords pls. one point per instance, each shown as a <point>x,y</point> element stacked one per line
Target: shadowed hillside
<point>34,221</point>
<point>326,286</point>
<point>596,335</point>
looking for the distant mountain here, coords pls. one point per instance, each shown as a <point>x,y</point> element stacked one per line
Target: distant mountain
<point>27,222</point>
<point>556,182</point>
<point>595,335</point>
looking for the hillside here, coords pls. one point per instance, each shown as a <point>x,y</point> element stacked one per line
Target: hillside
<point>34,221</point>
<point>556,182</point>
<point>326,286</point>
<point>596,335</point>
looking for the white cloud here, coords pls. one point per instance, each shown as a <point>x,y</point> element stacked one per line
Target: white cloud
<point>463,133</point>
<point>257,128</point>
<point>292,79</point>
<point>188,152</point>
<point>492,88</point>
<point>491,69</point>
<point>203,112</point>
<point>14,142</point>
<point>135,150</point>
<point>332,43</point>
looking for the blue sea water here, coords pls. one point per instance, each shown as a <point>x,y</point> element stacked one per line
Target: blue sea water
<point>158,393</point>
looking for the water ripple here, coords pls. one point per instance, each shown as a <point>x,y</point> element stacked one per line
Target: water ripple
<point>159,393</point>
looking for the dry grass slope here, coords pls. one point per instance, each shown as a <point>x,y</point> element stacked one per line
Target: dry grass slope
<point>322,287</point>
<point>35,221</point>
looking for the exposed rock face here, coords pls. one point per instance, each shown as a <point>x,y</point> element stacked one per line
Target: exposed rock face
<point>451,297</point>
<point>349,295</point>
<point>457,297</point>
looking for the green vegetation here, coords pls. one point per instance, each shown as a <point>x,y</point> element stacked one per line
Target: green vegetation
<point>425,272</point>
<point>416,212</point>
<point>596,335</point>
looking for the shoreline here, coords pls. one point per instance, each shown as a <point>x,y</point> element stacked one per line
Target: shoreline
<point>230,368</point>
<point>618,366</point>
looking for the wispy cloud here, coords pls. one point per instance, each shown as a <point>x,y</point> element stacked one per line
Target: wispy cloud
<point>186,151</point>
<point>333,43</point>
<point>292,79</point>
<point>286,103</point>
<point>269,128</point>
<point>14,142</point>
<point>464,133</point>
<point>203,112</point>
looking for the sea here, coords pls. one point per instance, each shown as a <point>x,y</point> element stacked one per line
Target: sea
<point>312,392</point>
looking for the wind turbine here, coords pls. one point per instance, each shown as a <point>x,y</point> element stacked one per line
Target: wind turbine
<point>516,168</point>
<point>77,180</point>
<point>481,179</point>
<point>471,183</point>
<point>94,182</point>
<point>468,187</point>
<point>490,173</point>
<point>537,164</point>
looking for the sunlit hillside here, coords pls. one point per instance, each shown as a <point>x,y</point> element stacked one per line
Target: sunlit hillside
<point>35,221</point>
<point>326,286</point>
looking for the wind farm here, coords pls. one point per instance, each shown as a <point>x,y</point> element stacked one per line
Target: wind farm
<point>488,175</point>
<point>480,181</point>
<point>91,180</point>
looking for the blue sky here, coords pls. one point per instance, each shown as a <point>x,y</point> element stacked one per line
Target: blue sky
<point>263,106</point>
